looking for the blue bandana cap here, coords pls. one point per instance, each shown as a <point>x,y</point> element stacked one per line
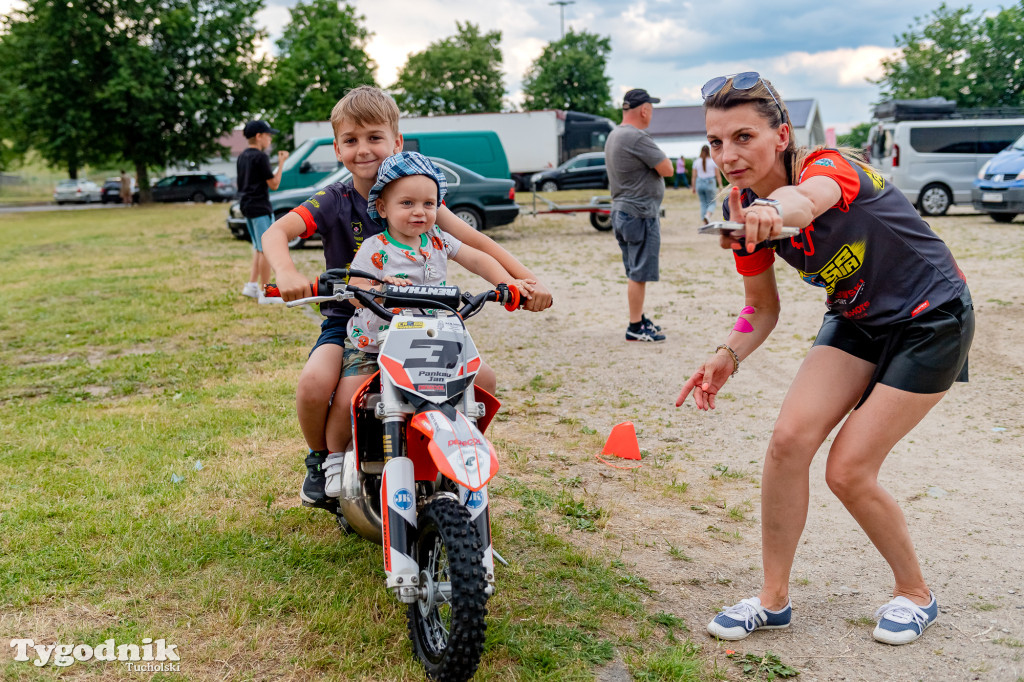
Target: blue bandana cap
<point>401,165</point>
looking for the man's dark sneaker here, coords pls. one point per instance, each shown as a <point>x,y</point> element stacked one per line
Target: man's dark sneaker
<point>312,492</point>
<point>643,331</point>
<point>646,320</point>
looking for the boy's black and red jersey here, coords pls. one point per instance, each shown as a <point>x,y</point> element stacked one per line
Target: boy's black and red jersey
<point>877,260</point>
<point>338,213</point>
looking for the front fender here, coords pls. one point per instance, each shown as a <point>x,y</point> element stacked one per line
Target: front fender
<point>457,448</point>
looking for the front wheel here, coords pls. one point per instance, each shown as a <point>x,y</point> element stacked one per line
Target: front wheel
<point>447,624</point>
<point>935,199</point>
<point>549,186</point>
<point>1003,217</point>
<point>199,198</point>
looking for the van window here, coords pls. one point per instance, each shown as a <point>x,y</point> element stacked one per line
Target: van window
<point>958,140</point>
<point>994,139</point>
<point>881,143</point>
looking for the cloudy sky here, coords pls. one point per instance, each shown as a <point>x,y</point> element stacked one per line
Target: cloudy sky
<point>809,48</point>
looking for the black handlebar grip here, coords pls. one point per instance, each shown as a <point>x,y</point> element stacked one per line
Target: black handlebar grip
<point>420,296</point>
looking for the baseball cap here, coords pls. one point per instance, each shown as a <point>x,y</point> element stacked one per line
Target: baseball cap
<point>401,165</point>
<point>636,97</point>
<point>254,128</point>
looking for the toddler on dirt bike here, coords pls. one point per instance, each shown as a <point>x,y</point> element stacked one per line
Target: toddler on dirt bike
<point>411,250</point>
<point>365,123</point>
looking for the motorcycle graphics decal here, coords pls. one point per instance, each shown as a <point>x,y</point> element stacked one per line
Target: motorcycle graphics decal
<point>457,448</point>
<point>403,499</point>
<point>430,357</point>
<point>475,499</point>
<point>398,520</point>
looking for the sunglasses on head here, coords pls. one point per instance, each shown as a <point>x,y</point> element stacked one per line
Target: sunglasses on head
<point>740,81</point>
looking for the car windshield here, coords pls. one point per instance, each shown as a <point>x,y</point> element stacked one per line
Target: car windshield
<point>67,183</point>
<point>165,182</point>
<point>340,175</point>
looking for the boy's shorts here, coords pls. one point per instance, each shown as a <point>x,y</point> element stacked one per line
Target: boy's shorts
<point>256,227</point>
<point>334,331</point>
<point>356,362</point>
<point>640,241</point>
<point>923,355</point>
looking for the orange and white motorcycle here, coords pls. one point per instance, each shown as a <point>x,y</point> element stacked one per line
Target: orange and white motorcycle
<point>415,478</point>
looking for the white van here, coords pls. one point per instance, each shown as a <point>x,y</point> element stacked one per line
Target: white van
<point>934,163</point>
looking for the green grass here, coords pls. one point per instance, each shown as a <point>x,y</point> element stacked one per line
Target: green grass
<point>150,456</point>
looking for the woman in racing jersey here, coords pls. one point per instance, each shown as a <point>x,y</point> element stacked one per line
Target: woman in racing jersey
<point>894,339</point>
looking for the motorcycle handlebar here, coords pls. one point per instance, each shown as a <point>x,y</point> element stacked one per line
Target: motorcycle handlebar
<point>332,282</point>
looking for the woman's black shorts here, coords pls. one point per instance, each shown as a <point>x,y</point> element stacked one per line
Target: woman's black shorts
<point>926,354</point>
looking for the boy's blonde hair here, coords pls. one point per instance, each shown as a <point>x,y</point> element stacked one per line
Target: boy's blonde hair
<point>365,106</point>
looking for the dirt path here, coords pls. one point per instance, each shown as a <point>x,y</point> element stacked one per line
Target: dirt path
<point>688,519</point>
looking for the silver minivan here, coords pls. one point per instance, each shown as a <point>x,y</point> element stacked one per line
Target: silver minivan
<point>934,163</point>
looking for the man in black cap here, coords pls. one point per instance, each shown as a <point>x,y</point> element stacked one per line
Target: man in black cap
<point>255,180</point>
<point>636,168</point>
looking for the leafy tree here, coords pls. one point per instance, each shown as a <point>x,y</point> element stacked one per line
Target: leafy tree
<point>457,75</point>
<point>149,82</point>
<point>51,55</point>
<point>323,55</point>
<point>857,137</point>
<point>975,60</point>
<point>570,74</point>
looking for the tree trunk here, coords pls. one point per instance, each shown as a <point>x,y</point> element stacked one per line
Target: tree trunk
<point>142,180</point>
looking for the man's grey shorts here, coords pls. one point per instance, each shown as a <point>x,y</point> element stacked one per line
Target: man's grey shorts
<point>640,241</point>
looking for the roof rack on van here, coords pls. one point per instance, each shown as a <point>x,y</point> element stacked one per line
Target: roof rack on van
<point>938,108</point>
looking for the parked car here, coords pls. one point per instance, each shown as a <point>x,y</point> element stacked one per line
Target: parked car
<point>999,189</point>
<point>481,202</point>
<point>579,172</point>
<point>78,191</point>
<point>198,187</point>
<point>112,191</point>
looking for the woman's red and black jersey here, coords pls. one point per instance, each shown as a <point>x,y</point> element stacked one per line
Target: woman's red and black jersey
<point>877,260</point>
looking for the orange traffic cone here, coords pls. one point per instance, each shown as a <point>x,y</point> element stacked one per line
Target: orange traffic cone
<point>621,443</point>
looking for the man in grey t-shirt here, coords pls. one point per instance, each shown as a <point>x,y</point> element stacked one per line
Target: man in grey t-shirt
<point>636,168</point>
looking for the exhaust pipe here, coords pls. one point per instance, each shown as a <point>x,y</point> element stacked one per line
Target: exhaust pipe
<point>360,500</point>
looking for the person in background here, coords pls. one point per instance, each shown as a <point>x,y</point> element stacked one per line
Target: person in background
<point>705,183</point>
<point>636,171</point>
<point>126,188</point>
<point>255,180</point>
<point>681,173</point>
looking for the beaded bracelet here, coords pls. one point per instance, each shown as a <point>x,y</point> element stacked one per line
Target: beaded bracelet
<point>735,357</point>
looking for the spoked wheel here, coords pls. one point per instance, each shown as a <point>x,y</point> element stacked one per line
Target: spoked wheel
<point>447,624</point>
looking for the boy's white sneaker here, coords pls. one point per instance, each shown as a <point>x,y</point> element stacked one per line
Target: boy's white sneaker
<point>251,289</point>
<point>333,466</point>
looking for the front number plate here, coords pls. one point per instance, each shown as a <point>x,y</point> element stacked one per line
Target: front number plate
<point>991,197</point>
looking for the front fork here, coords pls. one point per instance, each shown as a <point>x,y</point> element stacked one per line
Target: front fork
<point>398,516</point>
<point>478,504</point>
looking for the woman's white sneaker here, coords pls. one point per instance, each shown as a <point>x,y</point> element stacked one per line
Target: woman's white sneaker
<point>738,621</point>
<point>901,621</point>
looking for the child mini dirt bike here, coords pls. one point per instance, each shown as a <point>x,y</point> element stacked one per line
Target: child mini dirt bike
<point>415,478</point>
